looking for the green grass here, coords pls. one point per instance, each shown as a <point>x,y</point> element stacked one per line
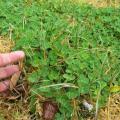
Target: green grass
<point>74,50</point>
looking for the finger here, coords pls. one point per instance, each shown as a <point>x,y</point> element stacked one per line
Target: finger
<point>8,71</point>
<point>9,84</point>
<point>12,57</point>
<point>4,85</point>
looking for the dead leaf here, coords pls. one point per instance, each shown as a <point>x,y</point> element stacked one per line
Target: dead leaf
<point>49,110</point>
<point>21,64</point>
<point>14,80</point>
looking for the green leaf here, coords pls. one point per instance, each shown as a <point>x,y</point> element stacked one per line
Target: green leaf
<point>69,77</point>
<point>33,77</point>
<point>72,94</point>
<point>115,88</point>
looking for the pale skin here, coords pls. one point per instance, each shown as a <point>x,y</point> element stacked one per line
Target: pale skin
<point>7,69</point>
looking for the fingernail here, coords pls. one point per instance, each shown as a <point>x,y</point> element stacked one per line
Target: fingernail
<point>21,54</point>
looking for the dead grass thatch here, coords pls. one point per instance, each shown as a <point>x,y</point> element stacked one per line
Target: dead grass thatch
<point>12,109</point>
<point>103,3</point>
<point>5,44</point>
<point>112,110</point>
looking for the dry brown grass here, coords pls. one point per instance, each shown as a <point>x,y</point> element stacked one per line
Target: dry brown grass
<point>112,110</point>
<point>104,3</point>
<point>15,109</point>
<point>5,44</point>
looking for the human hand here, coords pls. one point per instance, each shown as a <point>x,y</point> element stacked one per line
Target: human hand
<point>7,70</point>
